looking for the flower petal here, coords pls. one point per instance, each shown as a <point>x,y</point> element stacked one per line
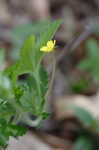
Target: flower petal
<point>44,48</point>
<point>50,43</point>
<point>49,47</point>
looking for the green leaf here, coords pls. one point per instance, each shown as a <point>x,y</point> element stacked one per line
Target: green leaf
<point>30,99</point>
<point>85,65</point>
<point>45,115</point>
<point>20,33</point>
<point>6,110</point>
<point>95,126</point>
<point>2,56</point>
<point>91,62</point>
<point>30,54</point>
<point>27,54</point>
<point>95,27</point>
<point>92,48</point>
<point>15,130</point>
<point>83,115</point>
<point>27,101</point>
<point>80,86</point>
<point>26,62</point>
<point>19,99</point>
<point>46,36</point>
<point>83,143</point>
<point>7,130</point>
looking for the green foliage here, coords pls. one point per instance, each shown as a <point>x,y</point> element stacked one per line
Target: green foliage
<point>20,33</point>
<point>30,55</point>
<point>83,143</point>
<point>80,86</point>
<point>7,130</point>
<point>83,115</point>
<point>19,99</point>
<point>26,62</point>
<point>88,133</point>
<point>2,57</point>
<point>91,62</point>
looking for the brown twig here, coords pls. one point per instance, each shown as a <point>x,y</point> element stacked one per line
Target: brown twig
<point>74,43</point>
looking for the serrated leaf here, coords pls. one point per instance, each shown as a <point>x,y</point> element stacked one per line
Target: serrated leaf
<point>6,110</point>
<point>27,102</point>
<point>15,130</point>
<point>31,100</point>
<point>7,130</point>
<point>83,143</point>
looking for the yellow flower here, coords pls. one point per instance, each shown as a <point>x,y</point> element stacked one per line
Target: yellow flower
<point>49,47</point>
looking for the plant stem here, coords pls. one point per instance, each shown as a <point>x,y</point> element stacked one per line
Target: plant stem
<point>37,78</point>
<point>52,78</point>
